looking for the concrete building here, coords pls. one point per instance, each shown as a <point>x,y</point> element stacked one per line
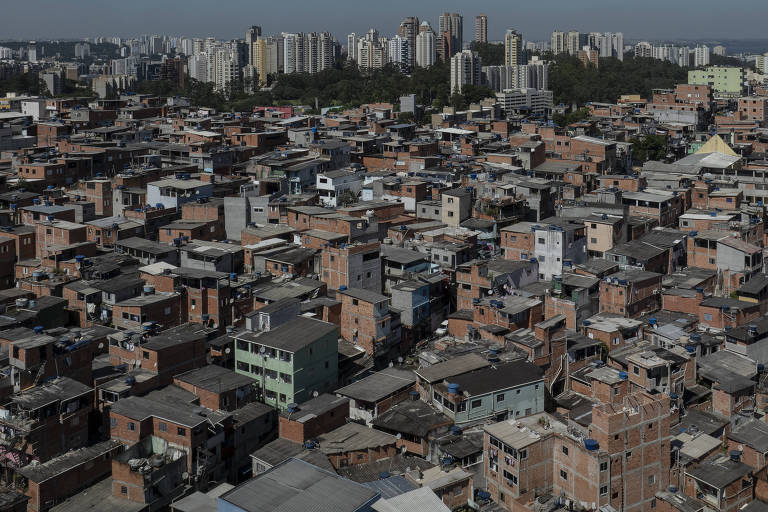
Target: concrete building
<point>451,35</point>
<point>456,206</point>
<point>534,101</point>
<point>481,28</point>
<point>352,266</point>
<point>331,184</point>
<point>726,81</point>
<point>558,42</point>
<point>466,69</point>
<point>511,390</point>
<point>426,46</point>
<point>701,55</point>
<point>409,30</point>
<point>172,193</point>
<point>557,245</point>
<point>513,48</point>
<point>289,362</point>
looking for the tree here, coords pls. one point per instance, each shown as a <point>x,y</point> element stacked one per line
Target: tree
<point>492,54</point>
<point>650,147</point>
<point>573,117</point>
<point>346,197</point>
<point>572,82</point>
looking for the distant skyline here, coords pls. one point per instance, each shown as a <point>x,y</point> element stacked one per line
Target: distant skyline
<point>228,19</point>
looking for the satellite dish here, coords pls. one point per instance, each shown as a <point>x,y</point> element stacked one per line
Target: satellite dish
<point>391,364</point>
<point>262,349</point>
<point>227,350</point>
<point>399,436</point>
<point>101,345</point>
<point>185,476</point>
<point>400,359</point>
<point>315,394</point>
<point>130,347</point>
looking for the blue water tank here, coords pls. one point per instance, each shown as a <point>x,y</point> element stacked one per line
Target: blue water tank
<point>342,288</point>
<point>623,375</point>
<point>672,488</point>
<point>690,348</point>
<point>587,323</point>
<point>455,430</point>
<point>130,380</point>
<point>233,276</point>
<point>673,396</point>
<point>453,389</point>
<point>694,233</point>
<point>38,329</point>
<point>591,444</point>
<point>652,321</point>
<point>384,475</point>
<point>79,258</point>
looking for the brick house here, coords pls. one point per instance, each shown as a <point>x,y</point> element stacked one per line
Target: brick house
<point>630,293</point>
<point>307,421</point>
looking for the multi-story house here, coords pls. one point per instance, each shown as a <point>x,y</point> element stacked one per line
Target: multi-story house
<point>291,361</point>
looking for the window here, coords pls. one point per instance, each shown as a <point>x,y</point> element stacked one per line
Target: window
<point>563,474</point>
<point>476,403</point>
<point>522,454</point>
<point>541,240</point>
<point>123,489</point>
<point>604,490</point>
<point>131,426</point>
<point>162,426</point>
<point>113,422</point>
<point>354,302</point>
<point>500,397</point>
<point>593,240</point>
<point>708,317</point>
<point>651,479</point>
<point>603,466</point>
<point>629,454</point>
<point>565,450</point>
<point>511,479</point>
<point>167,311</point>
<point>145,354</point>
<point>282,397</point>
<point>181,431</point>
<point>636,370</point>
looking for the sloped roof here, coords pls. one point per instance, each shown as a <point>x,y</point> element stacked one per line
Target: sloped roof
<point>716,145</point>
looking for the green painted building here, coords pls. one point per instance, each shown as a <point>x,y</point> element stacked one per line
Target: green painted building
<point>291,361</point>
<point>726,81</point>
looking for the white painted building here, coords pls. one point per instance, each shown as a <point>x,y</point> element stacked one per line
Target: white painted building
<point>332,183</point>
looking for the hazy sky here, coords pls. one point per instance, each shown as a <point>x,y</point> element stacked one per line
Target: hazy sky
<point>226,19</point>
